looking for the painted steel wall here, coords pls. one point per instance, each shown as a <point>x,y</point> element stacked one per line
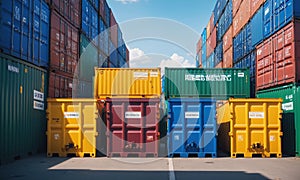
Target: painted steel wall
<point>277,58</point>
<point>60,86</point>
<point>132,127</point>
<point>257,28</point>
<point>89,21</point>
<point>211,42</point>
<point>228,58</point>
<point>242,17</point>
<point>235,6</point>
<point>218,10</point>
<point>210,26</point>
<point>218,83</point>
<point>24,26</point>
<point>242,43</point>
<point>22,113</point>
<point>113,29</point>
<point>255,5</point>
<point>64,45</point>
<point>225,21</point>
<point>192,127</point>
<point>127,83</point>
<point>219,53</point>
<point>104,37</point>
<point>227,39</point>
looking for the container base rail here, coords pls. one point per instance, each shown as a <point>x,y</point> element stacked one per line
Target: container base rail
<point>189,155</point>
<point>256,155</point>
<point>132,154</point>
<point>71,155</point>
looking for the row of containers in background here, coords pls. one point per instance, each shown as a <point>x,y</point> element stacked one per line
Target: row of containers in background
<point>259,35</point>
<point>68,38</point>
<point>134,118</point>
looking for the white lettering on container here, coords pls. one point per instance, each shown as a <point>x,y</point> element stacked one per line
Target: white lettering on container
<point>241,75</point>
<point>191,115</point>
<point>153,74</point>
<point>13,69</point>
<point>133,115</point>
<point>38,105</point>
<point>38,95</point>
<point>256,115</point>
<point>212,77</point>
<point>140,75</point>
<point>288,106</point>
<point>71,115</point>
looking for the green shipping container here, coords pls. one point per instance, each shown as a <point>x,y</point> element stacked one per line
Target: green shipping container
<point>290,95</point>
<point>217,83</point>
<point>23,109</point>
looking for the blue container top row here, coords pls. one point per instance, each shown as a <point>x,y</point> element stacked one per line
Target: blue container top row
<point>24,29</point>
<point>218,10</point>
<point>225,21</point>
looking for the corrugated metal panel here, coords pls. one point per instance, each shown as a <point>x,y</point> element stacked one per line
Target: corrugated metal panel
<point>211,43</point>
<point>23,117</point>
<point>95,4</point>
<point>227,58</point>
<point>120,38</point>
<point>88,59</point>
<point>104,37</point>
<point>290,95</point>
<point>255,127</point>
<point>68,9</point>
<point>218,83</point>
<point>242,43</point>
<point>113,29</point>
<point>268,18</point>
<point>255,5</point>
<point>129,83</point>
<point>107,14</point>
<point>101,8</point>
<point>89,22</point>
<point>235,6</point>
<point>60,86</point>
<point>192,127</point>
<point>257,27</point>
<point>26,28</point>
<point>64,45</point>
<point>220,65</point>
<point>132,126</point>
<point>227,39</point>
<point>225,21</point>
<point>210,26</point>
<point>277,58</point>
<point>218,10</point>
<point>242,17</point>
<point>210,62</point>
<point>218,53</point>
<point>72,128</point>
<point>113,57</point>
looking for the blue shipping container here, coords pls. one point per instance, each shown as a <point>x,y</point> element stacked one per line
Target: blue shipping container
<point>90,20</point>
<point>104,36</point>
<point>113,57</point>
<point>242,43</point>
<point>257,27</point>
<point>268,18</point>
<point>24,26</point>
<point>95,4</point>
<point>218,53</point>
<point>120,38</point>
<point>225,21</point>
<point>218,10</point>
<point>211,61</point>
<point>204,37</point>
<point>192,127</point>
<point>107,14</point>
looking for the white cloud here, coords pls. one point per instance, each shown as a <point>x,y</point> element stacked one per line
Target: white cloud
<point>127,1</point>
<point>175,61</point>
<point>138,58</point>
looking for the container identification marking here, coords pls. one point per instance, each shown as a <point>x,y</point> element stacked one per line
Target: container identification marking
<point>211,77</point>
<point>13,69</point>
<point>71,114</point>
<point>140,75</point>
<point>153,74</point>
<point>150,138</point>
<point>191,115</point>
<point>288,106</point>
<point>241,74</point>
<point>133,115</point>
<point>38,95</point>
<point>256,115</point>
<point>176,137</point>
<point>38,105</point>
<point>272,138</point>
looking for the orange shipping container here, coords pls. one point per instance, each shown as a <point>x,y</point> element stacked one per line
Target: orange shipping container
<point>227,58</point>
<point>211,43</point>
<point>235,6</point>
<point>255,5</point>
<point>227,39</point>
<point>210,26</point>
<point>220,65</point>
<point>242,17</point>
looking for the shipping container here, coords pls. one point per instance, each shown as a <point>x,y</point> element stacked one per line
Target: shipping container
<point>88,59</point>
<point>220,65</point>
<point>127,83</point>
<point>235,6</point>
<point>89,22</point>
<point>218,10</point>
<point>69,9</point>
<point>72,127</point>
<point>210,62</point>
<point>257,28</point>
<point>227,39</point>
<point>95,4</point>
<point>203,51</point>
<point>290,123</point>
<point>23,109</point>
<point>225,21</point>
<point>192,127</point>
<point>199,58</point>
<point>254,128</point>
<point>83,88</point>
<point>255,5</point>
<point>217,83</point>
<point>227,59</point>
<point>211,43</point>
<point>120,39</point>
<point>25,29</point>
<point>113,29</point>
<point>64,45</point>
<point>277,58</point>
<point>127,57</point>
<point>218,53</point>
<point>242,17</point>
<point>106,14</point>
<point>242,43</point>
<point>113,57</point>
<point>277,14</point>
<point>104,37</point>
<point>132,127</point>
<point>199,45</point>
<point>210,26</point>
<point>101,8</point>
<point>60,86</point>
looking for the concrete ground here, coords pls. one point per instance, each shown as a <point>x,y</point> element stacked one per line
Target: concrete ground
<point>41,167</point>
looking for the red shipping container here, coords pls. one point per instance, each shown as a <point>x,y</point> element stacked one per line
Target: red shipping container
<point>210,26</point>
<point>101,9</point>
<point>199,46</point>
<point>211,43</point>
<point>278,58</point>
<point>255,5</point>
<point>235,6</point>
<point>132,127</point>
<point>220,65</point>
<point>60,86</point>
<point>242,17</point>
<point>227,39</point>
<point>200,58</point>
<point>227,58</point>
<point>113,29</point>
<point>64,47</point>
<point>69,9</point>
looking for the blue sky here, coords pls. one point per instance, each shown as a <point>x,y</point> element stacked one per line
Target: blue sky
<point>162,32</point>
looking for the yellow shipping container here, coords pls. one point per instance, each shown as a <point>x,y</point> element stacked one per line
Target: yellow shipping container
<point>127,83</point>
<point>254,127</point>
<point>72,127</point>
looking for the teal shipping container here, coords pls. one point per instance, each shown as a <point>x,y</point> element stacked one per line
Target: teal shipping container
<point>216,83</point>
<point>23,90</point>
<point>290,123</point>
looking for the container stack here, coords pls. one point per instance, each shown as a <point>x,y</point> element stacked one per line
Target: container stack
<point>262,37</point>
<point>24,59</point>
